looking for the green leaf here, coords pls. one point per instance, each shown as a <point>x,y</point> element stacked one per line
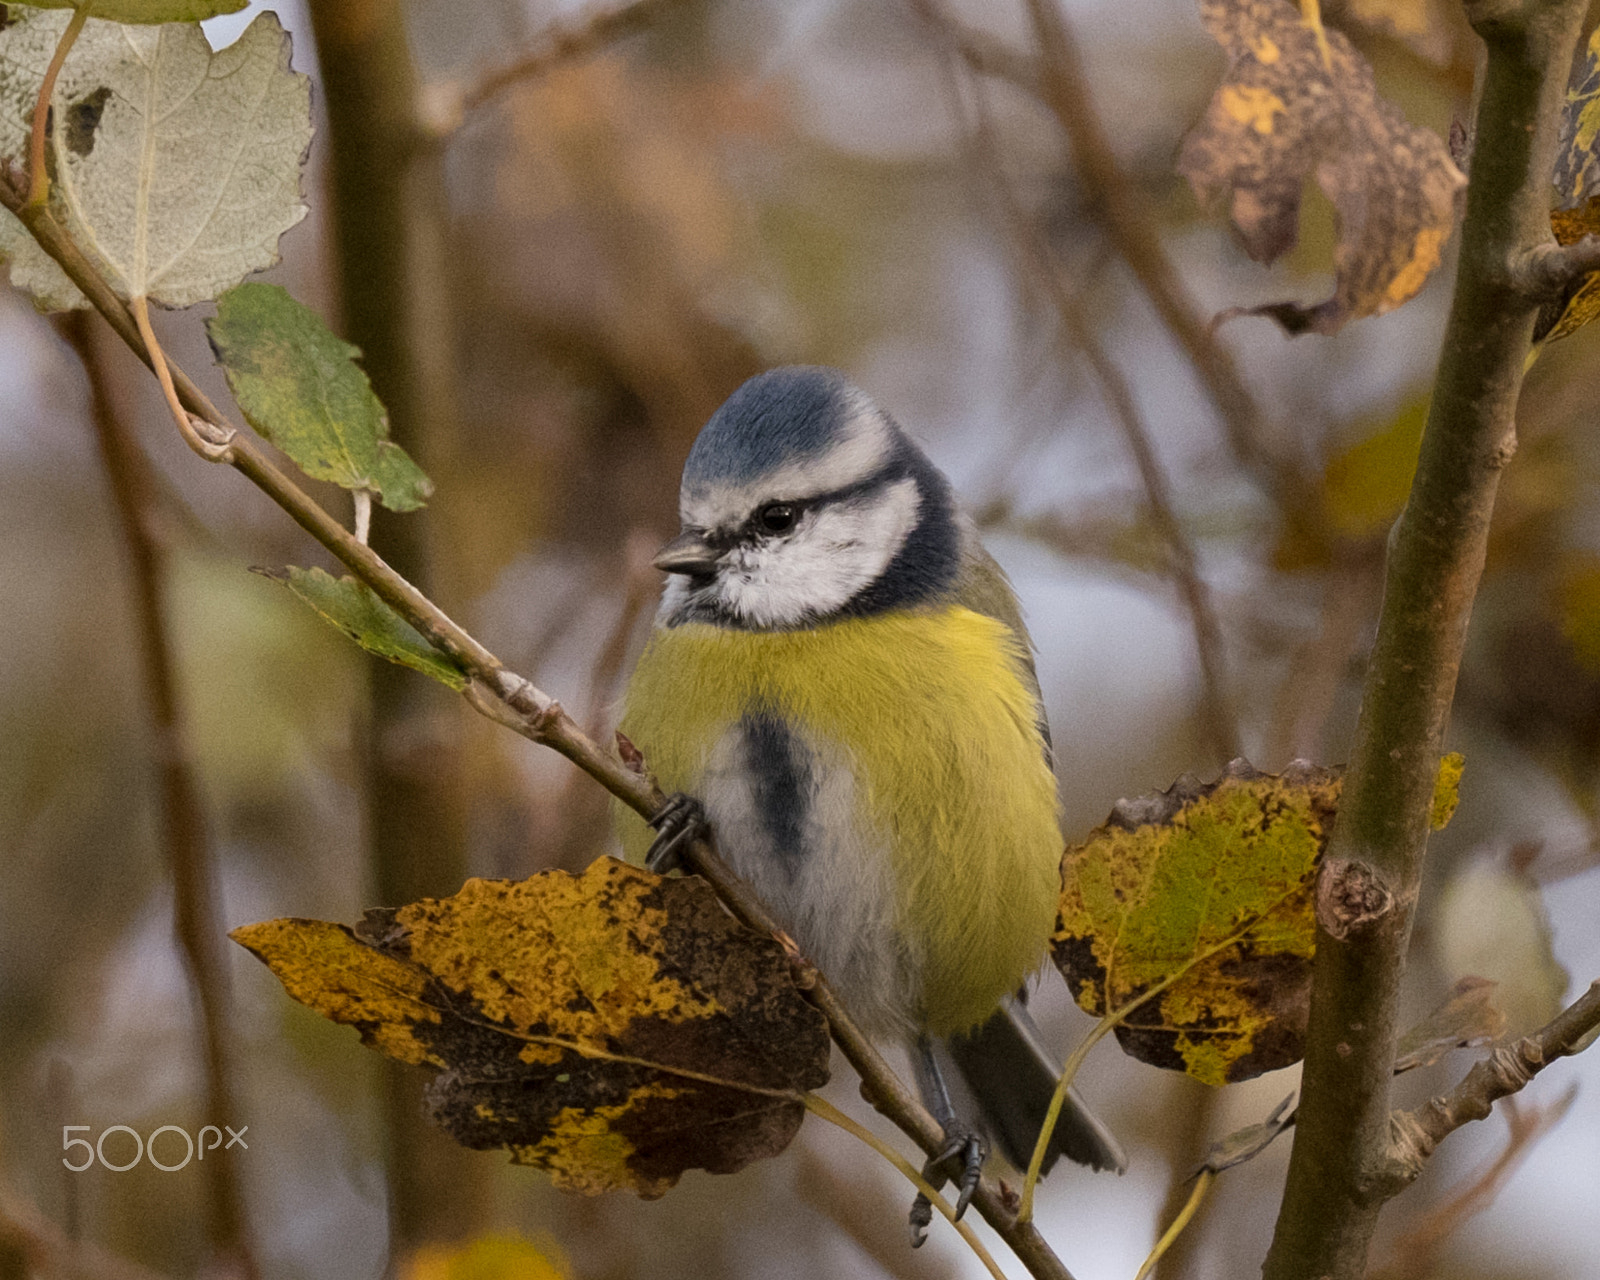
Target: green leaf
<point>1208,889</point>
<point>148,11</point>
<point>176,169</point>
<point>355,609</point>
<point>301,388</point>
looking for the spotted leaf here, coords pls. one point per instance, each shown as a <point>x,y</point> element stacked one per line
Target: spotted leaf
<point>613,1028</point>
<point>1299,102</point>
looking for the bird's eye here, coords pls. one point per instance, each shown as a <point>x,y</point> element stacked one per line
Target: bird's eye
<point>776,517</point>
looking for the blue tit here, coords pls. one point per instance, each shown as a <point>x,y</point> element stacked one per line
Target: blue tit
<point>840,674</point>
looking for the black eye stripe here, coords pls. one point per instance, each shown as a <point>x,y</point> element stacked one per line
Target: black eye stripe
<point>881,478</point>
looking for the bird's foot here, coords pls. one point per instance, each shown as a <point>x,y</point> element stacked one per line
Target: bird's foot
<point>961,1159</point>
<point>678,823</point>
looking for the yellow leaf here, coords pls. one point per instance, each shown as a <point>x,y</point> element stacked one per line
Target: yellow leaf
<point>613,1028</point>
<point>486,1258</point>
<point>1446,790</point>
<point>1365,485</point>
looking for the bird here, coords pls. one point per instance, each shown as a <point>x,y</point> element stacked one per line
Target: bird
<point>839,684</point>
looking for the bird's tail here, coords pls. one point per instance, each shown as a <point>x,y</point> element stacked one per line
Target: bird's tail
<point>1012,1076</point>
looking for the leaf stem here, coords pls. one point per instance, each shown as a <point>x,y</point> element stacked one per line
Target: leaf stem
<point>827,1111</point>
<point>38,175</point>
<point>1311,16</point>
<point>1069,1071</point>
<point>1202,1184</point>
<point>209,450</point>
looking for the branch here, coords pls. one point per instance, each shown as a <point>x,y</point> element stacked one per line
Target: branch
<point>1416,1252</point>
<point>447,105</point>
<point>508,699</point>
<point>1038,267</point>
<point>1550,270</point>
<point>384,210</point>
<point>1506,1071</point>
<point>196,909</point>
<point>1057,77</point>
<point>1372,871</point>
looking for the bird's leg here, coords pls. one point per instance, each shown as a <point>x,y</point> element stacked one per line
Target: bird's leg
<point>963,1151</point>
<point>678,822</point>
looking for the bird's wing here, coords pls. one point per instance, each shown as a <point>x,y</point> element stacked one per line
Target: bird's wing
<point>982,586</point>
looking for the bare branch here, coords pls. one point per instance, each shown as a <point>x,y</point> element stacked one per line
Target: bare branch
<point>1550,270</point>
<point>1057,77</point>
<point>1339,1172</point>
<point>446,106</point>
<point>1416,1252</point>
<point>1039,268</point>
<point>510,700</point>
<point>1506,1071</point>
<point>196,905</point>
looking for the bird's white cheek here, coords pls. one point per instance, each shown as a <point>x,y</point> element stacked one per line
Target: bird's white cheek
<point>832,557</point>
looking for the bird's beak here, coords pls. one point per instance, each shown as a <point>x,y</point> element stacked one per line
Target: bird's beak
<point>688,553</point>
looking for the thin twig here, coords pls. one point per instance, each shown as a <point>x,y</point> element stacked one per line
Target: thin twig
<point>1416,1252</point>
<point>1038,267</point>
<point>1191,1206</point>
<point>197,915</point>
<point>1508,1070</point>
<point>211,451</point>
<point>825,1110</point>
<point>510,700</point>
<point>1549,270</point>
<point>1057,76</point>
<point>861,1205</point>
<point>450,104</point>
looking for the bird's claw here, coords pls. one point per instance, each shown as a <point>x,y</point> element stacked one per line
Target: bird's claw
<point>679,821</point>
<point>961,1158</point>
<point>964,1150</point>
<point>921,1218</point>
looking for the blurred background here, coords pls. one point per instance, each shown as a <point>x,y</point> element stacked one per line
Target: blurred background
<point>599,229</point>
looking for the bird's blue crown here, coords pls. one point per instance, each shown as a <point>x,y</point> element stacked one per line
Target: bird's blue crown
<point>781,416</point>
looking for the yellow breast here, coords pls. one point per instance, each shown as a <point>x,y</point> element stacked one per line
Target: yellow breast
<point>931,711</point>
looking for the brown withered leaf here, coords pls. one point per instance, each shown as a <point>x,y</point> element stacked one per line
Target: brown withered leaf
<point>613,1028</point>
<point>1283,114</point>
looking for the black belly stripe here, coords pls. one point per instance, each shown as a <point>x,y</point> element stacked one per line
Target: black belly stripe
<point>781,767</point>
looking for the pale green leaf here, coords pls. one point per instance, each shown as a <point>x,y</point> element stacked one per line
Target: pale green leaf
<point>300,387</point>
<point>175,169</point>
<point>148,11</point>
<point>1490,920</point>
<point>355,609</point>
